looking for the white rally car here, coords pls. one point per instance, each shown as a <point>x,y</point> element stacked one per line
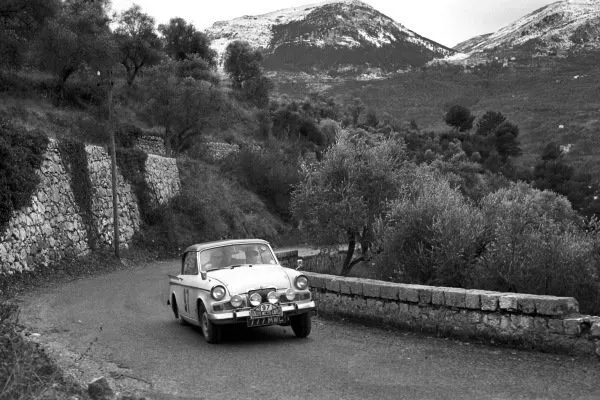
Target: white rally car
<point>239,282</point>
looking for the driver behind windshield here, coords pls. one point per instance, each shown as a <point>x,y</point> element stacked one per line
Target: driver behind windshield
<point>252,257</point>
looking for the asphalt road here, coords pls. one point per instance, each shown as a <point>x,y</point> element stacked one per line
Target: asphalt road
<point>118,325</point>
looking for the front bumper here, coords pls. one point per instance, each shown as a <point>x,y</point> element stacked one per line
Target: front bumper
<point>235,317</point>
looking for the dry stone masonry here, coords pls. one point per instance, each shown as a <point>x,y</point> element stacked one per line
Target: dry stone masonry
<point>162,178</point>
<point>52,227</point>
<point>99,166</point>
<point>541,322</point>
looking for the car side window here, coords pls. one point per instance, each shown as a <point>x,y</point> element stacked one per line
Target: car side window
<point>190,265</point>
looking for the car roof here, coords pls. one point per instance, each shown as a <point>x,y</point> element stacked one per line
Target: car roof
<point>220,243</point>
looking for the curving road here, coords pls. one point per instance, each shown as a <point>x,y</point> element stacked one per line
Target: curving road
<point>118,325</point>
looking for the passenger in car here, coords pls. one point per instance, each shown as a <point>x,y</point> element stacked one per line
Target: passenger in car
<point>252,257</point>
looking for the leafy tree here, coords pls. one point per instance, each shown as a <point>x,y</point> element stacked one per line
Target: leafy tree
<point>553,173</point>
<point>20,22</point>
<point>257,89</point>
<point>507,144</point>
<point>180,105</point>
<point>79,35</point>
<point>139,46</point>
<point>182,40</point>
<point>489,122</point>
<point>342,197</point>
<point>460,118</point>
<point>196,68</point>
<point>242,63</point>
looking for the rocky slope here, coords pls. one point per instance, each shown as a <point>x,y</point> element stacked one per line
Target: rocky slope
<point>556,29</point>
<point>335,35</point>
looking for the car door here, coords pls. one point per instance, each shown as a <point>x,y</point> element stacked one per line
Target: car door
<point>189,272</point>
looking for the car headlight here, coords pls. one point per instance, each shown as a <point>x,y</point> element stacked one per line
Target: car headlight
<point>236,301</point>
<point>255,299</point>
<point>301,282</point>
<point>290,294</point>
<point>218,292</point>
<point>272,297</point>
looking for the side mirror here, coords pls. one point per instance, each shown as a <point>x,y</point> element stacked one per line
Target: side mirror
<point>299,264</point>
<point>203,275</point>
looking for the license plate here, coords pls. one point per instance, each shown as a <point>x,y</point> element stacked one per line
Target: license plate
<point>266,314</point>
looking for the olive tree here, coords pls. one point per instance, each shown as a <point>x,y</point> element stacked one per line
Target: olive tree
<point>343,196</point>
<point>139,45</point>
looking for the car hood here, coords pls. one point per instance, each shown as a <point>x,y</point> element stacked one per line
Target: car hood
<point>242,279</point>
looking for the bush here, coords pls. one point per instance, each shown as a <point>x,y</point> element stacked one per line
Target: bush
<point>433,234</point>
<point>200,213</point>
<point>21,155</point>
<point>535,246</point>
<point>269,173</point>
<point>460,118</point>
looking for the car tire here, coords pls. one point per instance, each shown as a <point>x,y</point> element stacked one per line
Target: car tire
<point>178,316</point>
<point>211,332</point>
<point>301,325</point>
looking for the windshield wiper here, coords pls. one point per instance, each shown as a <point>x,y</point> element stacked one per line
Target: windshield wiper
<point>235,266</point>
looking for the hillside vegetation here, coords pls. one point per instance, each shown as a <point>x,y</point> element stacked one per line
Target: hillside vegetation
<point>539,98</point>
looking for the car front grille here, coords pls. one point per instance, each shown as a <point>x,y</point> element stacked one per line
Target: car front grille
<point>263,293</point>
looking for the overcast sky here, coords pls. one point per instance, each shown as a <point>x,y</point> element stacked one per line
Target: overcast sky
<point>445,21</point>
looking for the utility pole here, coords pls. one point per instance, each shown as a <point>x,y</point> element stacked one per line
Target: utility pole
<point>113,164</point>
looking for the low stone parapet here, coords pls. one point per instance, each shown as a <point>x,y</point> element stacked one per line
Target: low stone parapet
<point>545,323</point>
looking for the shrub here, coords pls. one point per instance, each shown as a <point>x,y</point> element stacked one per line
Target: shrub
<point>433,234</point>
<point>535,246</point>
<point>127,135</point>
<point>200,214</point>
<point>268,172</point>
<point>21,155</point>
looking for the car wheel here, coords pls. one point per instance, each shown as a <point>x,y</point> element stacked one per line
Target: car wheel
<point>178,316</point>
<point>301,325</point>
<point>211,332</point>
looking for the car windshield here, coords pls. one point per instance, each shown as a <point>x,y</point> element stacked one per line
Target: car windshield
<point>235,255</point>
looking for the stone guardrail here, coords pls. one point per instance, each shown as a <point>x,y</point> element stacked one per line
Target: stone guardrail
<point>546,323</point>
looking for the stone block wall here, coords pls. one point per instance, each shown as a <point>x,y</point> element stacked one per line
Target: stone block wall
<point>162,178</point>
<point>219,150</point>
<point>151,145</point>
<point>99,166</point>
<point>540,322</point>
<point>53,228</point>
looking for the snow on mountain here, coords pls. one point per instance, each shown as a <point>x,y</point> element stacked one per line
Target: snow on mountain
<point>558,27</point>
<point>328,34</point>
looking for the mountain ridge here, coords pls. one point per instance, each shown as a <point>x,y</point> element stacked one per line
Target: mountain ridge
<point>330,34</point>
<point>556,29</point>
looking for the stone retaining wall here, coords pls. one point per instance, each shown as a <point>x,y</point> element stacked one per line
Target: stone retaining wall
<point>541,322</point>
<point>151,145</point>
<point>162,178</point>
<point>99,166</point>
<point>53,228</point>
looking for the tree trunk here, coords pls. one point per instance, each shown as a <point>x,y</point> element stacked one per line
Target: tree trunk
<point>347,261</point>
